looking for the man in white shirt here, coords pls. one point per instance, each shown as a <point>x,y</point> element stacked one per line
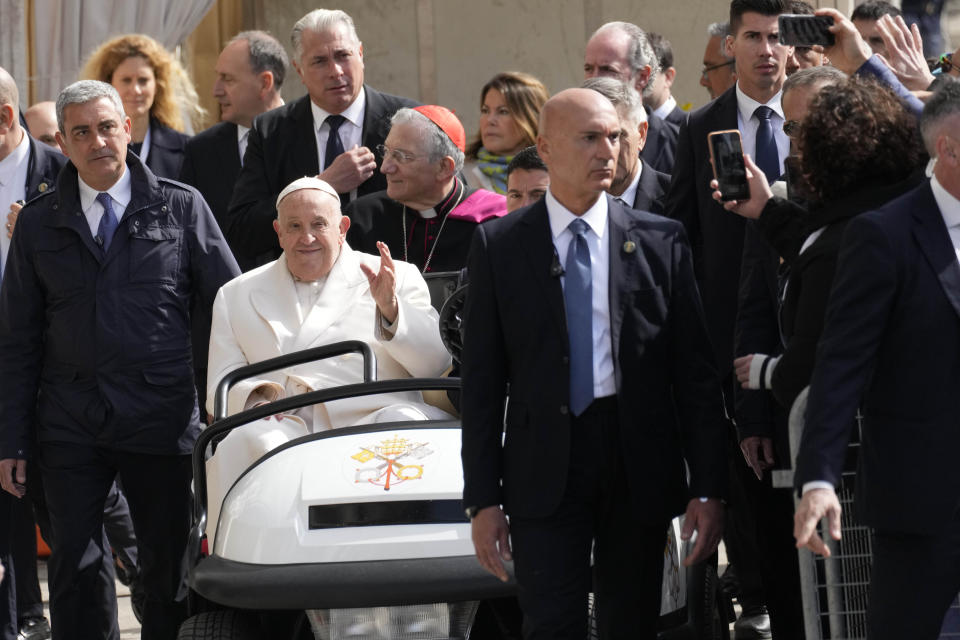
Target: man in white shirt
<point>331,133</point>
<point>889,348</point>
<point>635,184</point>
<point>588,311</point>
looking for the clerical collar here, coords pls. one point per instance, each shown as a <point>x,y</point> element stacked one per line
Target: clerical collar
<point>448,204</point>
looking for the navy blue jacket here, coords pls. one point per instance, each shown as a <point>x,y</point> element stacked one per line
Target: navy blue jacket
<point>889,346</point>
<point>166,150</point>
<point>106,340</point>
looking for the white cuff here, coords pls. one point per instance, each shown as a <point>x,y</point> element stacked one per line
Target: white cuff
<point>386,330</point>
<point>816,484</point>
<point>761,371</point>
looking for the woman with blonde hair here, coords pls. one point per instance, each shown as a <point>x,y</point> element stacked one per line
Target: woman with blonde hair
<point>510,106</point>
<point>156,93</point>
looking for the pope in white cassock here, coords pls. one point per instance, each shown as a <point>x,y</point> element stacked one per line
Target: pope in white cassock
<point>318,292</point>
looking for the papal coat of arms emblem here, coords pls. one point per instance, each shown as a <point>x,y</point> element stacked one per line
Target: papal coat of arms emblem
<point>391,462</point>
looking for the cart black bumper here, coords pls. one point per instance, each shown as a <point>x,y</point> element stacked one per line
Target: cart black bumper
<point>346,584</point>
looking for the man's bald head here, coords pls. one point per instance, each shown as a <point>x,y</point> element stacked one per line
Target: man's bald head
<point>10,132</point>
<point>578,140</point>
<point>42,122</point>
<point>8,90</point>
<point>570,104</point>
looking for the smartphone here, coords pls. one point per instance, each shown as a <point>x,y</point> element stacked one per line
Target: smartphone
<point>805,30</point>
<point>726,155</point>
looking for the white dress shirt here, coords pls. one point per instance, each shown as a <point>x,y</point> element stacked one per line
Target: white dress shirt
<point>950,210</point>
<point>629,195</point>
<point>749,123</point>
<point>93,210</point>
<point>145,146</point>
<point>604,382</point>
<point>664,110</point>
<point>243,136</point>
<point>350,131</point>
<point>13,187</point>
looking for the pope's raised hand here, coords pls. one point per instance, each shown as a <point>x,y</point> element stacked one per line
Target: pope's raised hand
<point>383,284</point>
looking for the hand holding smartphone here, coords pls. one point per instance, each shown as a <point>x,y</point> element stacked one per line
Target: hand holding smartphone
<point>726,156</point>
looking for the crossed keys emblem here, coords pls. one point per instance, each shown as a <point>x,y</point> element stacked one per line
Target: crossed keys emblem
<point>392,455</point>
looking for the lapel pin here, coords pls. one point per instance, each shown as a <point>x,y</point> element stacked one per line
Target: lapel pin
<point>42,187</point>
<point>629,246</point>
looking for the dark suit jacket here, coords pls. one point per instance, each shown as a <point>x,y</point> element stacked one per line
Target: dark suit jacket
<point>42,169</point>
<point>651,191</point>
<point>211,163</point>
<point>105,339</point>
<point>281,148</point>
<point>661,146</point>
<point>890,345</point>
<point>667,387</point>
<point>166,150</point>
<point>716,235</point>
<point>677,117</point>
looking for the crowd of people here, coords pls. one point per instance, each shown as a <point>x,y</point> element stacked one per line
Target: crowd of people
<point>653,333</point>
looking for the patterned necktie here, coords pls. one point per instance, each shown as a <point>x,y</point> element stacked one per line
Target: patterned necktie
<point>578,303</point>
<point>767,156</point>
<point>334,144</point>
<point>108,222</point>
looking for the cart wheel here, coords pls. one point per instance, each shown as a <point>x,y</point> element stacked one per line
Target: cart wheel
<point>219,625</point>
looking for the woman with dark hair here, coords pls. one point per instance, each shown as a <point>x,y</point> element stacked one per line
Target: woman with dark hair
<point>859,148</point>
<point>156,92</point>
<point>509,113</point>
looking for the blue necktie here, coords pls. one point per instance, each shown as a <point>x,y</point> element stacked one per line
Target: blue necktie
<point>767,156</point>
<point>578,302</point>
<point>334,144</point>
<point>108,221</point>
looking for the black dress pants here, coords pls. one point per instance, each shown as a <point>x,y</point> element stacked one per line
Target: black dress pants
<point>914,579</point>
<point>552,554</point>
<point>77,480</point>
<point>8,589</point>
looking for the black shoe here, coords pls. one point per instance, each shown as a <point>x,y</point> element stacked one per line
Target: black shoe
<point>34,629</point>
<point>754,624</point>
<point>137,599</point>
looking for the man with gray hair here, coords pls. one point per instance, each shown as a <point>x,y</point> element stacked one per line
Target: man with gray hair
<point>889,348</point>
<point>426,211</point>
<point>622,50</point>
<point>95,322</point>
<point>331,133</point>
<point>718,73</point>
<point>635,185</point>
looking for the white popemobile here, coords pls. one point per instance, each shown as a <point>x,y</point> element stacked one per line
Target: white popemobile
<point>359,532</point>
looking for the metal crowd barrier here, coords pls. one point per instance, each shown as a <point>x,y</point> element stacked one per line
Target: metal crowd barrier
<point>836,590</point>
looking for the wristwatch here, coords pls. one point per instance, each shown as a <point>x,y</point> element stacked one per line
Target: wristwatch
<point>472,511</point>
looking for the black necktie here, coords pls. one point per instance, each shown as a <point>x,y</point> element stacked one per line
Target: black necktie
<point>334,144</point>
<point>767,157</point>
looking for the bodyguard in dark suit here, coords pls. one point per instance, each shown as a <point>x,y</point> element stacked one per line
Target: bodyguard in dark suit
<point>250,72</point>
<point>95,320</point>
<point>332,133</point>
<point>27,169</point>
<point>635,184</point>
<point>597,329</point>
<point>889,347</point>
<point>622,50</point>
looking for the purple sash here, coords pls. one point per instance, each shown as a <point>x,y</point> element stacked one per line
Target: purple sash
<point>479,206</point>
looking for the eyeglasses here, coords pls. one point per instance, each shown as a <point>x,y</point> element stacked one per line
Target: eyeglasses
<point>792,128</point>
<point>713,67</point>
<point>400,157</point>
